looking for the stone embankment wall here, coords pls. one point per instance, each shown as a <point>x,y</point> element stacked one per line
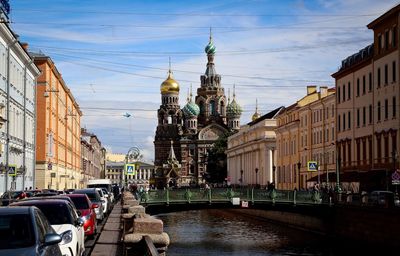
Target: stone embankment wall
<point>139,228</point>
<point>375,226</point>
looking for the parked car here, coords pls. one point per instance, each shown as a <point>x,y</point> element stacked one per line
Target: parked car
<point>26,231</point>
<point>104,200</point>
<point>12,196</point>
<point>94,197</point>
<point>58,197</point>
<point>110,195</point>
<point>382,198</point>
<point>65,221</point>
<point>88,214</point>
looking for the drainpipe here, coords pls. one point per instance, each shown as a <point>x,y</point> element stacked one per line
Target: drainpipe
<point>8,110</point>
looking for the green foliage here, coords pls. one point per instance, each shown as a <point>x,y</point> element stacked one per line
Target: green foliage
<point>216,160</point>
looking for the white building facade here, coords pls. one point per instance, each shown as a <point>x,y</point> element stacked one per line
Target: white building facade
<point>17,113</point>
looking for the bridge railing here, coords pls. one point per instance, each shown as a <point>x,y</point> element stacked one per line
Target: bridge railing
<point>226,194</point>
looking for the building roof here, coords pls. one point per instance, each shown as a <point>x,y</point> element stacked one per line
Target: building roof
<point>270,115</point>
<point>384,16</point>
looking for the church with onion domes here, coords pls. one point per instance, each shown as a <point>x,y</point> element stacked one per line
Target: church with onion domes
<point>184,135</point>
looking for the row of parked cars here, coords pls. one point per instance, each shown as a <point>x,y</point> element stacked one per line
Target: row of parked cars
<point>52,223</point>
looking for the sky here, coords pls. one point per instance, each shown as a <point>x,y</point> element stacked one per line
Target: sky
<point>114,55</point>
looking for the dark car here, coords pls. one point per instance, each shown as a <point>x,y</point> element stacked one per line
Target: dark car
<point>95,198</point>
<point>12,196</point>
<point>58,197</point>
<point>88,214</point>
<point>26,231</point>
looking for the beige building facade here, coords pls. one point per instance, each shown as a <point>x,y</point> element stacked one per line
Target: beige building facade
<point>250,152</point>
<point>305,134</point>
<point>368,97</point>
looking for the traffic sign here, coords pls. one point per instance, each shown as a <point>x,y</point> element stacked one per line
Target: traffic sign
<point>312,166</point>
<point>12,170</point>
<point>396,177</point>
<point>130,169</point>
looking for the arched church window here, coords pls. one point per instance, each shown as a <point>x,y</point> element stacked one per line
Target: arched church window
<point>212,108</point>
<point>191,169</point>
<point>169,119</point>
<point>222,108</point>
<point>201,106</point>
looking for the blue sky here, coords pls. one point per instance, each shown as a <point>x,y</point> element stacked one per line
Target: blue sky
<point>113,55</point>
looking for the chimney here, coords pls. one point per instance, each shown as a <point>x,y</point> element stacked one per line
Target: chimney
<point>323,91</point>
<point>311,89</point>
<point>25,46</point>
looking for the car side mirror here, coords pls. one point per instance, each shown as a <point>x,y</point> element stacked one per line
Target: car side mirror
<point>105,195</point>
<point>80,222</point>
<point>79,213</point>
<point>95,206</point>
<point>51,238</point>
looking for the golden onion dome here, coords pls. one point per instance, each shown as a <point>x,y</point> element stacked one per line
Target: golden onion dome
<point>255,116</point>
<point>170,85</point>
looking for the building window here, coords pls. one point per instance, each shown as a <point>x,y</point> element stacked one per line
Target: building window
<point>394,71</point>
<point>386,148</point>
<point>344,93</point>
<point>338,94</point>
<point>379,43</point>
<point>358,87</point>
<point>394,36</point>
<point>333,110</point>
<point>386,109</point>
<point>344,121</point>
<point>370,82</point>
<point>386,39</point>
<point>364,116</point>
<point>386,74</point>
<point>338,124</point>
<point>363,85</point>
<point>349,120</point>
<point>333,133</point>
<point>379,77</point>
<point>370,114</point>
<point>358,117</point>
<point>394,107</point>
<point>348,91</point>
<point>379,111</point>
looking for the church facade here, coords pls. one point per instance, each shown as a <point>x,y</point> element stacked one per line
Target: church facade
<point>184,135</point>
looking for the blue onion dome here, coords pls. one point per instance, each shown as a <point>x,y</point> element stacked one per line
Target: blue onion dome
<point>210,48</point>
<point>233,110</point>
<point>191,109</point>
<point>170,85</point>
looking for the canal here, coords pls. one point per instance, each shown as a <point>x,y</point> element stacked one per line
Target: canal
<point>221,232</point>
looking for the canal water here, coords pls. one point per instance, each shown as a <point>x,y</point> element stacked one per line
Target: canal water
<point>221,232</point>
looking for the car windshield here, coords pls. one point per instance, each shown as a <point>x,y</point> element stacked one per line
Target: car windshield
<point>14,194</point>
<point>57,214</point>
<point>92,196</point>
<point>16,231</point>
<point>81,203</point>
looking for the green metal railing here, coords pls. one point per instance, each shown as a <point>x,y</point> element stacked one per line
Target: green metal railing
<point>216,195</point>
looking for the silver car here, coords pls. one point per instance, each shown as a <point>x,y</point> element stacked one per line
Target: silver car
<point>26,231</point>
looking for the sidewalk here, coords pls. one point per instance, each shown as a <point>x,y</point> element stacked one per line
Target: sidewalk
<point>109,242</point>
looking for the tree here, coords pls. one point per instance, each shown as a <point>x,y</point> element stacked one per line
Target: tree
<point>216,160</point>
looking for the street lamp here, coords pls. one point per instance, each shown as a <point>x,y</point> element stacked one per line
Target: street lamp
<point>298,180</point>
<point>273,173</point>
<point>256,170</point>
<point>338,173</point>
<point>241,178</point>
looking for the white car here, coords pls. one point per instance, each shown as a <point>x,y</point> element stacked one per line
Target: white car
<point>65,221</point>
<point>104,200</point>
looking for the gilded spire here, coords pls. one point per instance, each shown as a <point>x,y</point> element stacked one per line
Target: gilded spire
<point>169,85</point>
<point>256,115</point>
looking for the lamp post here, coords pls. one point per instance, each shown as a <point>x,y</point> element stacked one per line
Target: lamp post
<point>394,158</point>
<point>298,180</point>
<point>256,170</point>
<point>338,173</point>
<point>241,178</point>
<point>273,173</point>
<point>132,154</point>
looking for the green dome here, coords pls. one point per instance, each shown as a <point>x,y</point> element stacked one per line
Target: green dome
<point>233,110</point>
<point>191,109</point>
<point>210,48</point>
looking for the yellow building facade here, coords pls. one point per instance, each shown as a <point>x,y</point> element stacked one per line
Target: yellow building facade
<point>305,135</point>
